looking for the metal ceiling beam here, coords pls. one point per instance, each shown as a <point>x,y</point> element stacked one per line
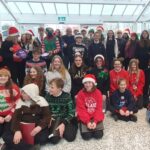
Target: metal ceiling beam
<point>43,8</point>
<point>12,15</point>
<point>113,10</point>
<point>147,4</point>
<point>135,10</point>
<point>108,2</point>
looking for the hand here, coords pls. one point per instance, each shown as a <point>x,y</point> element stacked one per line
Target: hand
<point>17,137</point>
<point>61,129</point>
<point>94,125</point>
<point>65,45</point>
<point>36,130</point>
<point>127,113</point>
<point>89,125</point>
<point>50,53</point>
<point>11,49</point>
<point>134,87</point>
<point>122,113</point>
<point>131,112</point>
<point>2,120</point>
<point>7,118</point>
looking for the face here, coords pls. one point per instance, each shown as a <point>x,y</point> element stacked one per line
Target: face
<point>23,37</point>
<point>79,40</point>
<point>3,79</point>
<point>33,73</point>
<point>41,32</point>
<point>78,61</point>
<point>36,56</point>
<point>69,31</point>
<point>117,65</point>
<point>25,96</point>
<point>96,36</point>
<point>75,31</point>
<point>57,32</point>
<point>110,34</point>
<point>53,89</point>
<point>88,86</point>
<point>133,38</point>
<point>83,32</point>
<point>119,35</point>
<point>57,63</point>
<point>122,85</point>
<point>125,35</point>
<point>133,66</point>
<point>99,62</point>
<point>145,35</point>
<point>28,36</point>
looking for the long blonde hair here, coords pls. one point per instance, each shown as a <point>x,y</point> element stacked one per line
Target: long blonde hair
<point>136,61</point>
<point>62,70</point>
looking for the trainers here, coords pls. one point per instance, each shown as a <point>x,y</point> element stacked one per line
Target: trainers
<point>133,118</point>
<point>115,117</point>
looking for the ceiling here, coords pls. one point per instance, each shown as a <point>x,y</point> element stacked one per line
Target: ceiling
<point>74,11</point>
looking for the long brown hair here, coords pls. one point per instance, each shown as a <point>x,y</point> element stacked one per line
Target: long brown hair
<point>39,80</point>
<point>62,70</point>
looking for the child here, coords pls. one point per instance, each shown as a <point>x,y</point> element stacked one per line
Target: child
<point>136,82</point>
<point>122,103</point>
<point>89,109</point>
<point>37,77</point>
<point>31,109</point>
<point>61,106</point>
<point>102,77</point>
<point>36,61</point>
<point>116,74</point>
<point>9,95</point>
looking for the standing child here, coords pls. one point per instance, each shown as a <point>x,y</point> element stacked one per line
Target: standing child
<point>9,94</point>
<point>62,111</point>
<point>136,82</point>
<point>122,103</point>
<point>89,109</point>
<point>31,109</point>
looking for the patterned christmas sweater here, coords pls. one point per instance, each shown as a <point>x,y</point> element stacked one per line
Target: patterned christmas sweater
<point>61,107</point>
<point>7,105</point>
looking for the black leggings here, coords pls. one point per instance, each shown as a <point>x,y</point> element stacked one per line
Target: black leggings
<point>95,134</point>
<point>4,128</point>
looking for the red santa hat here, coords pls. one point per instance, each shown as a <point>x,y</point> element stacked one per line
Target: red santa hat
<point>30,32</point>
<point>100,28</point>
<point>13,31</point>
<point>89,78</point>
<point>133,34</point>
<point>127,30</point>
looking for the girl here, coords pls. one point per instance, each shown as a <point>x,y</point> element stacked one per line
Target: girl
<point>102,76</point>
<point>9,95</point>
<point>36,76</point>
<point>143,50</point>
<point>89,109</point>
<point>57,69</point>
<point>122,103</point>
<point>61,106</point>
<point>111,48</point>
<point>77,72</point>
<point>116,74</point>
<point>31,109</point>
<point>136,82</point>
<point>130,49</point>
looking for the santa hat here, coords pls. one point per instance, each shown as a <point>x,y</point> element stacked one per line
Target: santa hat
<point>127,31</point>
<point>99,28</point>
<point>6,72</point>
<point>99,56</point>
<point>13,31</point>
<point>30,32</point>
<point>78,35</point>
<point>89,78</point>
<point>133,34</point>
<point>83,29</point>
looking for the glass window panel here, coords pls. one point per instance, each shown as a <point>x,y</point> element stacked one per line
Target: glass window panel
<point>24,7</point>
<point>49,8</point>
<point>119,9</point>
<point>3,9</point>
<point>61,8</point>
<point>107,10</point>
<point>96,9</point>
<point>73,9</point>
<point>37,8</point>
<point>138,10</point>
<point>130,9</point>
<point>85,9</point>
<point>147,11</point>
<point>13,8</point>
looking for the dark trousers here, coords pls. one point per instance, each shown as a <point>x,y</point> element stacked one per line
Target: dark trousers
<point>4,128</point>
<point>41,138</point>
<point>69,133</point>
<point>139,102</point>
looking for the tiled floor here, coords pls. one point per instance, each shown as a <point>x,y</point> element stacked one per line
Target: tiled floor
<point>117,136</point>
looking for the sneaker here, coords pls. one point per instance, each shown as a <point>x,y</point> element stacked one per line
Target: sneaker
<point>115,117</point>
<point>133,118</point>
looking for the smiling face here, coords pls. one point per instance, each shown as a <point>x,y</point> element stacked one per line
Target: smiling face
<point>3,79</point>
<point>99,62</point>
<point>122,86</point>
<point>78,61</point>
<point>53,89</point>
<point>117,65</point>
<point>33,73</point>
<point>88,86</point>
<point>56,63</point>
<point>133,66</point>
<point>144,35</point>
